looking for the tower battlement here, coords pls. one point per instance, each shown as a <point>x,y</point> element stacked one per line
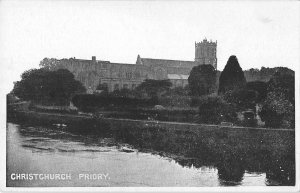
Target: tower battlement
<point>206,52</point>
<point>205,42</point>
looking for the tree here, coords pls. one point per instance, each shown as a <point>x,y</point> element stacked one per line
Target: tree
<point>47,87</point>
<point>247,97</point>
<point>232,76</point>
<point>124,92</point>
<point>154,88</point>
<point>278,111</point>
<point>241,98</point>
<point>49,63</point>
<point>178,91</point>
<point>202,80</point>
<point>283,81</point>
<point>279,106</point>
<point>260,88</point>
<point>214,110</point>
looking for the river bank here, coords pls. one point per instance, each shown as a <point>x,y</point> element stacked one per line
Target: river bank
<point>63,118</point>
<point>233,150</point>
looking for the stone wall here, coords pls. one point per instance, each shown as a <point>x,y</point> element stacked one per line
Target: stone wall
<point>117,75</point>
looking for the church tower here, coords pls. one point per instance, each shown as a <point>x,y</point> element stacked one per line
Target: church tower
<point>206,52</point>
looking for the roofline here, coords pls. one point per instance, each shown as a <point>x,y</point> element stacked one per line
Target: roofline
<point>83,60</point>
<point>122,63</point>
<point>169,60</point>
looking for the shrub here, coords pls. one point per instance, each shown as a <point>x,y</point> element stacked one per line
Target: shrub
<point>278,111</point>
<point>278,108</point>
<point>154,88</point>
<point>175,101</point>
<point>214,110</point>
<point>202,80</point>
<point>90,103</point>
<point>242,98</point>
<point>260,88</point>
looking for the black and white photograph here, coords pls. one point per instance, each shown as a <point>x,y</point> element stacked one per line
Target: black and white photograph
<point>149,95</point>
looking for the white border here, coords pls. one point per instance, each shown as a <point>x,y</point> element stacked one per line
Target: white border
<point>3,187</point>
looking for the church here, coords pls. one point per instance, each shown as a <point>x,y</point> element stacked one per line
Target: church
<point>121,75</point>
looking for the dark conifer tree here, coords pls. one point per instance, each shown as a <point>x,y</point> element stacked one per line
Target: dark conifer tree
<point>232,76</point>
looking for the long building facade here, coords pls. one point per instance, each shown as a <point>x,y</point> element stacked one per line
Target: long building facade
<point>120,75</point>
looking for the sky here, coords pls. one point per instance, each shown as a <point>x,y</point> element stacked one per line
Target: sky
<point>259,33</point>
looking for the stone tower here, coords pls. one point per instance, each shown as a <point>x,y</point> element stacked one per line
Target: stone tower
<point>206,52</point>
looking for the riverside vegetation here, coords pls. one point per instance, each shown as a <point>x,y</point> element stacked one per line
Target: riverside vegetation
<point>211,97</point>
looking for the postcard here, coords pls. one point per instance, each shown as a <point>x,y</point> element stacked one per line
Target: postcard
<point>129,96</point>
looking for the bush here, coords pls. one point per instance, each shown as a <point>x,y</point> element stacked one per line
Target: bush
<point>154,88</point>
<point>278,111</point>
<point>202,80</point>
<point>242,98</point>
<point>175,101</point>
<point>214,110</point>
<point>90,103</point>
<point>278,108</point>
<point>260,88</point>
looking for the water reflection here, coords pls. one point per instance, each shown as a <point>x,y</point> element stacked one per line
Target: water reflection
<point>234,153</point>
<point>207,158</point>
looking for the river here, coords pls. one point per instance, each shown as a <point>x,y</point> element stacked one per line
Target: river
<point>104,161</point>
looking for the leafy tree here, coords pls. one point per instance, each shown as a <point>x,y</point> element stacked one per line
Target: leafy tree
<point>202,80</point>
<point>154,88</point>
<point>283,81</point>
<point>260,88</point>
<point>124,92</point>
<point>278,111</point>
<point>48,87</point>
<point>267,73</point>
<point>49,63</point>
<point>241,98</point>
<point>214,110</point>
<point>278,108</point>
<point>178,91</point>
<point>247,97</point>
<point>232,76</point>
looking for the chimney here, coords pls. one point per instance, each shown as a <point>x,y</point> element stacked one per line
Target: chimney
<point>94,58</point>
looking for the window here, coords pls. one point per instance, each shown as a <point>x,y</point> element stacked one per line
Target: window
<point>128,75</point>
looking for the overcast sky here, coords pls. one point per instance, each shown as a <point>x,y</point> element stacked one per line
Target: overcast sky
<point>258,33</point>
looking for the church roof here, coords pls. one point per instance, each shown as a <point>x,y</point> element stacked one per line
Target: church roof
<point>123,64</point>
<point>167,63</point>
<point>178,77</point>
